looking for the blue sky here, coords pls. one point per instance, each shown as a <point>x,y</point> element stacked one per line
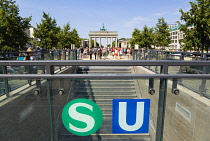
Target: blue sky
<point>117,15</point>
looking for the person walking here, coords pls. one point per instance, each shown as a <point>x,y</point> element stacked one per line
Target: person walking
<point>91,53</point>
<point>95,52</point>
<point>100,52</point>
<point>78,53</point>
<point>29,55</point>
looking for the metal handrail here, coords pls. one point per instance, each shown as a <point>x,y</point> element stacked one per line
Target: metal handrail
<point>105,63</point>
<point>50,63</point>
<point>105,76</point>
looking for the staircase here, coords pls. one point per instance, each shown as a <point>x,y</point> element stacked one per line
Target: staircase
<point>102,92</point>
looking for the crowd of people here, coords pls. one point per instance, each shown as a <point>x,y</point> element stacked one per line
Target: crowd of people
<point>95,53</point>
<point>102,53</point>
<point>30,54</point>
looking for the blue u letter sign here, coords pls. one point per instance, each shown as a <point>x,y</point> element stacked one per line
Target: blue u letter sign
<point>130,116</point>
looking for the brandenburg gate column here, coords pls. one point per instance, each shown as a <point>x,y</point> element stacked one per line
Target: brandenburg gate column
<point>94,41</point>
<point>99,41</point>
<point>106,41</point>
<point>111,42</point>
<point>90,42</point>
<point>103,33</point>
<point>116,41</point>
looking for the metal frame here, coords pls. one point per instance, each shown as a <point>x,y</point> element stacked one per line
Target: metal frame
<point>105,63</point>
<point>51,63</point>
<point>164,76</point>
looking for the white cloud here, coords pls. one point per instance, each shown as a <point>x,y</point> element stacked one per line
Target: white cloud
<point>161,14</point>
<point>135,21</point>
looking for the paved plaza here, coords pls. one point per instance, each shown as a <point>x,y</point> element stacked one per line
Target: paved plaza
<point>109,57</point>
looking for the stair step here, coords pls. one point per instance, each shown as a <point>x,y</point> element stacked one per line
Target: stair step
<point>112,72</point>
<point>104,67</point>
<point>105,106</point>
<point>103,85</point>
<point>104,70</point>
<point>107,97</point>
<point>104,92</point>
<point>105,133</point>
<point>94,89</point>
<point>104,82</point>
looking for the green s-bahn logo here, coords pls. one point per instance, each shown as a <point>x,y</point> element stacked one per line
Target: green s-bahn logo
<point>82,117</point>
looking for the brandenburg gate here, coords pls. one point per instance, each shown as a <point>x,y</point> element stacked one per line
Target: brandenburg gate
<point>103,33</point>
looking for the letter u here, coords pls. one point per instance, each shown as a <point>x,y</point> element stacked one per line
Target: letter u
<point>139,116</point>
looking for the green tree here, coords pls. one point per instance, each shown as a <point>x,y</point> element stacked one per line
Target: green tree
<point>65,40</point>
<point>76,40</point>
<point>197,17</point>
<point>147,37</point>
<point>47,32</point>
<point>136,37</point>
<point>162,34</point>
<point>142,38</point>
<point>12,27</point>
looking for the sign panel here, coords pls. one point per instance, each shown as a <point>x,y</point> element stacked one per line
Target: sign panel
<point>82,117</point>
<point>130,116</point>
<point>136,46</point>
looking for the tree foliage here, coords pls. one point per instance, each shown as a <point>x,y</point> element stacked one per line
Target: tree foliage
<point>136,37</point>
<point>197,17</point>
<point>147,36</point>
<point>12,27</point>
<point>65,37</point>
<point>47,33</point>
<point>76,40</point>
<point>162,34</point>
<point>142,38</point>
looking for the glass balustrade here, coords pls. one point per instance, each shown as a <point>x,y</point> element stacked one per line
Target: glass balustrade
<point>48,107</point>
<point>34,112</point>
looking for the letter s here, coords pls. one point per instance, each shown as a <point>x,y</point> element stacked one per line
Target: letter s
<point>81,117</point>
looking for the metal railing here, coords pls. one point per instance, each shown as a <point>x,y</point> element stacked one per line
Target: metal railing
<point>168,55</point>
<point>163,76</point>
<point>41,55</point>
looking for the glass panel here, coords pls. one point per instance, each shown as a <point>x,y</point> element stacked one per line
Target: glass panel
<point>102,92</point>
<point>34,106</point>
<point>187,114</point>
<point>33,110</point>
<point>25,115</point>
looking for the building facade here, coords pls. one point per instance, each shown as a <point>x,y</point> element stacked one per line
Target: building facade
<point>30,34</point>
<point>125,43</point>
<point>176,35</point>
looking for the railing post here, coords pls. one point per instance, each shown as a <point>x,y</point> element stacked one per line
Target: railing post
<point>75,54</point>
<point>144,54</point>
<point>49,70</point>
<point>156,59</point>
<point>28,69</point>
<point>52,55</point>
<point>181,58</point>
<point>136,54</point>
<point>64,54</point>
<point>166,55</point>
<point>69,54</point>
<point>6,84</point>
<point>157,55</point>
<point>203,83</point>
<point>161,105</point>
